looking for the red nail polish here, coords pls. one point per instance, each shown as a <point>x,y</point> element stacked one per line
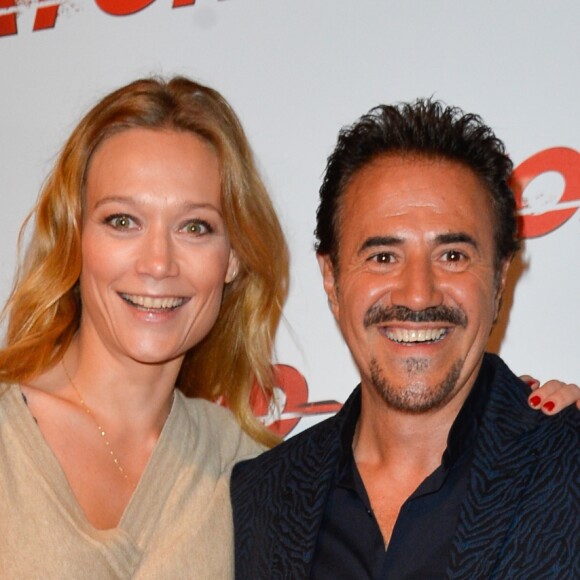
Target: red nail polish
<point>549,406</point>
<point>531,383</point>
<point>535,401</point>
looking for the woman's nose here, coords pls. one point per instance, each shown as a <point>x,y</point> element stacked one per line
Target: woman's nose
<point>157,255</point>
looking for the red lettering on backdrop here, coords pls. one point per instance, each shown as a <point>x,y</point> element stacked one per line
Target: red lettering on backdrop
<point>45,16</point>
<point>562,160</point>
<point>8,21</point>
<point>122,7</point>
<point>292,397</point>
<point>292,386</point>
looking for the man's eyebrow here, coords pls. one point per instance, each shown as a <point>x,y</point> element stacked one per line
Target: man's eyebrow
<point>452,238</point>
<point>377,241</point>
<point>457,238</point>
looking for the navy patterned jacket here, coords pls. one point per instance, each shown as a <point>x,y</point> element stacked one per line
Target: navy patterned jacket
<point>520,519</point>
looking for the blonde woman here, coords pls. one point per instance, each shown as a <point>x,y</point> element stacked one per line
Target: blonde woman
<point>156,262</point>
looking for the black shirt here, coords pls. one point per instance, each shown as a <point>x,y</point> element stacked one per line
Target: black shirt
<point>350,544</point>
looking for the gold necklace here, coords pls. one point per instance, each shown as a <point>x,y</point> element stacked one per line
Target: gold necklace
<point>99,427</point>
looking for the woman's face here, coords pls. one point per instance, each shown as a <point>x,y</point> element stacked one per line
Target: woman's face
<point>156,253</point>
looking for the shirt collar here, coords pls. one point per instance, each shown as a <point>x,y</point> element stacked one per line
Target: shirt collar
<point>461,435</point>
<point>464,429</point>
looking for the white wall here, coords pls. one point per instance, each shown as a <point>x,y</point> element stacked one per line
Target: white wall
<point>296,71</point>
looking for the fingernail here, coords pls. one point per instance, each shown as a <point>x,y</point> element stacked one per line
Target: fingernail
<point>535,401</point>
<point>531,383</point>
<point>549,406</point>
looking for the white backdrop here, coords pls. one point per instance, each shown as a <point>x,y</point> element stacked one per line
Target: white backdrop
<point>296,71</point>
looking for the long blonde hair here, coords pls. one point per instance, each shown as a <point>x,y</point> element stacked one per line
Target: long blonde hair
<point>44,309</point>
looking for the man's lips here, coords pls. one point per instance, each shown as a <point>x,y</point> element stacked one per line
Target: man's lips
<point>154,302</point>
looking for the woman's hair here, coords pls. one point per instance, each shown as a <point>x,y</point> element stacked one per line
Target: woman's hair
<point>44,310</point>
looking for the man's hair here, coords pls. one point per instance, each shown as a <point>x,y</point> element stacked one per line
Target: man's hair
<point>426,129</point>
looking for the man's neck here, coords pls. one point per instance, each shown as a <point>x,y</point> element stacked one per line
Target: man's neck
<point>395,451</point>
<point>386,436</point>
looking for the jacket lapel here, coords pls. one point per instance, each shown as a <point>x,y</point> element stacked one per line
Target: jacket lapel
<point>504,458</point>
<point>306,489</point>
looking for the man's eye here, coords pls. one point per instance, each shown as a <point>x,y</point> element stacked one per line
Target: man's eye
<point>383,258</point>
<point>454,256</point>
<point>120,222</point>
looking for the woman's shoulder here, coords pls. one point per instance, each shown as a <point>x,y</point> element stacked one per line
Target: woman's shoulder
<point>219,428</point>
<point>207,411</point>
<point>9,394</point>
<point>15,418</point>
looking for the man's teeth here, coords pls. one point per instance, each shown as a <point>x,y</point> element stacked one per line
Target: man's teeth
<point>406,335</point>
<point>153,303</point>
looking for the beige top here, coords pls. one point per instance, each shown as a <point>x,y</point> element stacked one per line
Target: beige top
<point>177,525</point>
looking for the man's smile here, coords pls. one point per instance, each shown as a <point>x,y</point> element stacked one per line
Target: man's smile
<point>414,335</point>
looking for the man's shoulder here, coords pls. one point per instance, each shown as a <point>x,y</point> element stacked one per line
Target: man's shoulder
<point>510,397</point>
<point>292,449</point>
<point>314,444</point>
<point>524,466</point>
<point>509,423</point>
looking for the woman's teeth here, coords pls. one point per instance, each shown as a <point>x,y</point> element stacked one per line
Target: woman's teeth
<point>150,303</point>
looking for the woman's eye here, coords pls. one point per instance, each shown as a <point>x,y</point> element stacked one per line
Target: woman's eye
<point>120,222</point>
<point>197,228</point>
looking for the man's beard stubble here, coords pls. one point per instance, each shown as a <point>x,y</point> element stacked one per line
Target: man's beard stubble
<point>415,397</point>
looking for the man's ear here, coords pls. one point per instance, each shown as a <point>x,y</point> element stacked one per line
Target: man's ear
<point>233,267</point>
<point>329,282</point>
<point>501,282</point>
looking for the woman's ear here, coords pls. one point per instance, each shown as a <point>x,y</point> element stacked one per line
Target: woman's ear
<point>233,267</point>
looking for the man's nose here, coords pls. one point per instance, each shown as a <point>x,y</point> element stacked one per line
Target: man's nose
<point>417,286</point>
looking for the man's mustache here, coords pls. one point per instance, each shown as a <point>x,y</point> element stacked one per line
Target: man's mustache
<point>378,314</point>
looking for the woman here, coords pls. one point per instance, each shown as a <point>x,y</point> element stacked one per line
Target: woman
<point>153,235</point>
<point>156,261</point>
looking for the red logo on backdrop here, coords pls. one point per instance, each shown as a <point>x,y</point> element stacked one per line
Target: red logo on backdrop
<point>535,218</point>
<point>47,11</point>
<point>290,402</point>
<point>127,7</point>
<point>45,17</point>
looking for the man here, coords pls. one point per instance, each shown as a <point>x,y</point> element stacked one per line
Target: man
<point>436,467</point>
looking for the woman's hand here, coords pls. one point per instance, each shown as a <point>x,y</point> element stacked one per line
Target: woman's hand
<point>552,396</point>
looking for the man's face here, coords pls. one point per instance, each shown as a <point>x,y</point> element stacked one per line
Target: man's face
<point>415,290</point>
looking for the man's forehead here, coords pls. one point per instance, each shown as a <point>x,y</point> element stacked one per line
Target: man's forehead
<point>410,197</point>
<point>414,180</point>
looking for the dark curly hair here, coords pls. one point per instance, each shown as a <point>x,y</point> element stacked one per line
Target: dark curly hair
<point>426,128</point>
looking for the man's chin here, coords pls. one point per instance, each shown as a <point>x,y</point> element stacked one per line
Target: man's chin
<point>418,394</point>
